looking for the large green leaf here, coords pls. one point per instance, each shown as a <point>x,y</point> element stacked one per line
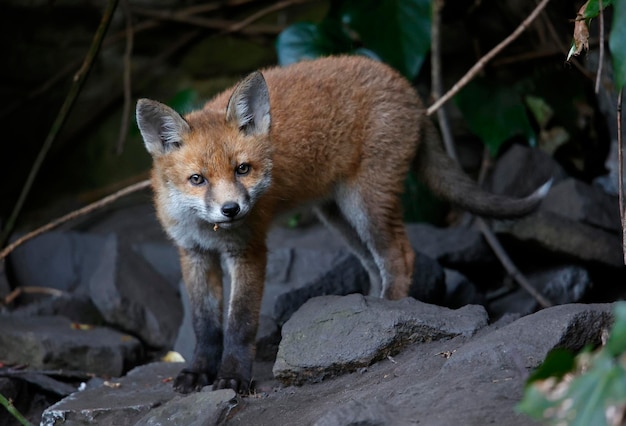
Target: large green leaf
<point>397,30</point>
<point>593,8</point>
<point>617,43</point>
<point>394,31</point>
<point>306,40</point>
<point>495,113</point>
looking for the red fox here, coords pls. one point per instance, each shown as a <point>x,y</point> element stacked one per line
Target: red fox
<point>338,133</point>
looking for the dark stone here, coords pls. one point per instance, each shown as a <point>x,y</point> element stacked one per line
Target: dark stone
<point>347,277</point>
<point>121,402</point>
<point>333,335</point>
<point>521,170</point>
<point>134,297</point>
<point>460,291</point>
<point>584,203</point>
<point>76,307</point>
<point>559,284</point>
<point>205,408</point>
<point>565,237</point>
<point>53,343</point>
<point>69,257</point>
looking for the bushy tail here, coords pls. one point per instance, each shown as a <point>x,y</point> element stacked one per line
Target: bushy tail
<point>448,181</point>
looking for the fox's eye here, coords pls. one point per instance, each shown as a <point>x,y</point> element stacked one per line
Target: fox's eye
<point>243,169</point>
<point>197,180</point>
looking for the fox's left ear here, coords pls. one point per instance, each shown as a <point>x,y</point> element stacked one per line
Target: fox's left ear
<point>161,127</point>
<point>249,105</point>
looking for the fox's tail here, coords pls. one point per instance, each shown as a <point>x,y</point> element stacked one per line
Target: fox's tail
<point>448,181</point>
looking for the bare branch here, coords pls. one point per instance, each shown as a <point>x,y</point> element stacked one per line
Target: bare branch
<point>79,79</point>
<point>483,61</point>
<point>127,77</point>
<point>601,51</point>
<point>620,168</point>
<point>75,214</point>
<point>491,238</point>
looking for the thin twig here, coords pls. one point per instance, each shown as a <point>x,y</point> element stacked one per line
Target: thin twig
<point>10,298</point>
<point>79,79</point>
<point>127,77</point>
<point>483,61</point>
<point>620,168</point>
<point>208,23</point>
<point>601,51</point>
<point>508,264</point>
<point>75,214</point>
<point>263,12</point>
<point>437,80</point>
<point>490,237</point>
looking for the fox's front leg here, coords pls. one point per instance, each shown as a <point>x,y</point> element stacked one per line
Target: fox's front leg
<point>247,271</point>
<point>202,274</point>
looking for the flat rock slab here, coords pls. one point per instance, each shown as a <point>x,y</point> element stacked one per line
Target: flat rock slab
<point>471,381</point>
<point>121,402</point>
<point>331,335</point>
<point>205,408</point>
<point>51,342</point>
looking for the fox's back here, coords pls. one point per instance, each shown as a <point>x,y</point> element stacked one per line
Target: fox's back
<point>331,119</point>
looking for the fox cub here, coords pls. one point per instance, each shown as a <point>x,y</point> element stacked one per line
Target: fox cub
<point>338,133</point>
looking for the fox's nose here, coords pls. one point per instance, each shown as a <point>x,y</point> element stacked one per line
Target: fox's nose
<point>230,209</point>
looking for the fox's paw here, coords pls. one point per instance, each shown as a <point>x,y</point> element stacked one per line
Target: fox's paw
<point>237,384</point>
<point>189,380</point>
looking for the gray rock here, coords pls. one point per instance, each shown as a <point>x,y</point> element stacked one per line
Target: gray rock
<point>119,403</point>
<point>584,203</point>
<point>460,291</point>
<point>206,408</point>
<point>348,276</point>
<point>332,335</point>
<point>132,296</point>
<point>559,284</point>
<point>361,413</point>
<point>565,237</point>
<point>76,307</point>
<point>452,247</point>
<point>523,344</point>
<point>69,257</point>
<point>163,258</point>
<point>521,170</point>
<point>52,343</point>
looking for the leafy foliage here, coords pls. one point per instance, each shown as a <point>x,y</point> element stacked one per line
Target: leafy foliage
<point>617,43</point>
<point>589,389</point>
<point>494,112</point>
<point>396,31</point>
<point>617,39</point>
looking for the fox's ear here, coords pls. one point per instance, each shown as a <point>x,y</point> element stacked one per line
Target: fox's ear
<point>249,105</point>
<point>161,127</point>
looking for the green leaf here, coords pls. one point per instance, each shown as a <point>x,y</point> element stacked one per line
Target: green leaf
<point>557,363</point>
<point>617,43</point>
<point>495,113</point>
<point>305,40</point>
<point>593,8</point>
<point>398,31</point>
<point>616,344</point>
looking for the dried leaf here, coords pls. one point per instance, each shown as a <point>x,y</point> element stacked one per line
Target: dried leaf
<point>581,33</point>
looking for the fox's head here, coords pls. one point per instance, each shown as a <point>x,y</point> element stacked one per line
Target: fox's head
<point>212,165</point>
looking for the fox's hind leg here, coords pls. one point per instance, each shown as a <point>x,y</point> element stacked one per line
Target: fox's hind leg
<point>376,216</point>
<point>333,217</point>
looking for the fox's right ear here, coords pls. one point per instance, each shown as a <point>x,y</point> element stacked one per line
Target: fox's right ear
<point>161,127</point>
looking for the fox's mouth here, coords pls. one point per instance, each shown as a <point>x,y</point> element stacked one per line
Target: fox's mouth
<point>228,224</point>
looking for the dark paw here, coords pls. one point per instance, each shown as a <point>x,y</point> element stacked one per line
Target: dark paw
<point>189,381</point>
<point>234,383</point>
